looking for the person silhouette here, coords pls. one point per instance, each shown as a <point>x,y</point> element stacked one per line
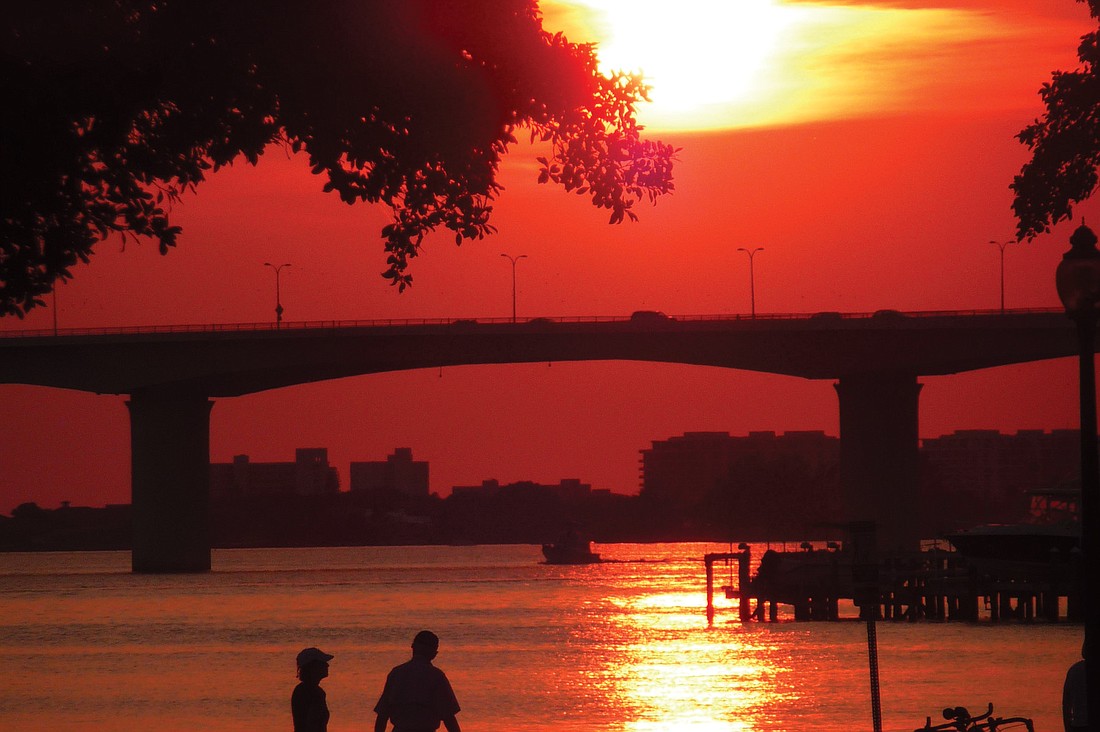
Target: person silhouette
<point>1075,715</point>
<point>307,704</point>
<point>417,696</point>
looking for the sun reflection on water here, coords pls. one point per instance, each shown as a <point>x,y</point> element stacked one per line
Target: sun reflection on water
<point>671,672</point>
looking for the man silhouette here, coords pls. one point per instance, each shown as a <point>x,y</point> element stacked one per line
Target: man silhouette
<point>417,695</point>
<point>1074,697</point>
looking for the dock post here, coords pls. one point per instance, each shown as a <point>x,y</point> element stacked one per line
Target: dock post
<point>1006,605</point>
<point>973,606</point>
<point>744,605</point>
<point>709,561</point>
<point>1075,601</point>
<point>1050,605</point>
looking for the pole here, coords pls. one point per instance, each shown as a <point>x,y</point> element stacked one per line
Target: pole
<point>278,294</point>
<point>708,560</point>
<point>872,658</point>
<point>513,260</point>
<point>1090,502</point>
<point>1077,279</point>
<point>752,288</point>
<point>1001,245</point>
<point>752,277</point>
<point>1002,279</point>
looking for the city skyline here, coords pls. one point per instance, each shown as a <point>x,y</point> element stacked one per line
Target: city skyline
<point>345,478</point>
<point>887,201</point>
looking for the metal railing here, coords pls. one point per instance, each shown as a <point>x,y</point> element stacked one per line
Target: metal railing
<point>414,322</point>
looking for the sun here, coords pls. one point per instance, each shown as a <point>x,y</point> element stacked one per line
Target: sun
<point>699,56</point>
<point>723,64</point>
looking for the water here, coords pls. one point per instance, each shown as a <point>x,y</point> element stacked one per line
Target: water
<point>86,645</point>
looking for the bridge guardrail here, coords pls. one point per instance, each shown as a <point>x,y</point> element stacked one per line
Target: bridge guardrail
<point>409,322</point>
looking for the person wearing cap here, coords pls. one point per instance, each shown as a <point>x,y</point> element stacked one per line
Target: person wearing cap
<point>417,696</point>
<point>307,704</point>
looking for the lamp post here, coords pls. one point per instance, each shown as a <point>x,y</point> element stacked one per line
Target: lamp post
<point>278,299</point>
<point>513,260</point>
<point>752,276</point>
<point>1078,282</point>
<point>1001,245</point>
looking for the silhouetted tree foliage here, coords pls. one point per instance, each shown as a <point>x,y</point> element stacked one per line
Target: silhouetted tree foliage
<point>1064,143</point>
<point>113,108</point>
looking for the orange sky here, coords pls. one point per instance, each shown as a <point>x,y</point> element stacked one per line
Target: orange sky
<point>870,155</point>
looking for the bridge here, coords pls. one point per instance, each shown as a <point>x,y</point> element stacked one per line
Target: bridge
<point>172,373</point>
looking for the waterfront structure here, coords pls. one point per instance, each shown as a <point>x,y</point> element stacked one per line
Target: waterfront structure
<point>567,489</point>
<point>309,475</point>
<point>907,586</point>
<point>398,473</point>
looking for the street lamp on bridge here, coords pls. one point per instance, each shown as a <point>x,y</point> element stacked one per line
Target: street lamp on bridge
<point>513,260</point>
<point>1001,245</point>
<point>752,276</point>
<point>1078,282</point>
<point>278,299</point>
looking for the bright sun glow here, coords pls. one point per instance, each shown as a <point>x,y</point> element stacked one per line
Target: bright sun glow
<point>698,55</point>
<point>711,52</point>
<point>743,63</point>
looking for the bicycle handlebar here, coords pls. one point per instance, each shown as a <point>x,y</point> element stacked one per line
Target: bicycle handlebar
<point>959,720</point>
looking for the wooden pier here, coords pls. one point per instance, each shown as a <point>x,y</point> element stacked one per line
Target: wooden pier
<point>928,585</point>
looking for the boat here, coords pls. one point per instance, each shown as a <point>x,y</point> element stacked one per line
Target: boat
<point>1017,542</point>
<point>571,548</point>
<point>1051,534</point>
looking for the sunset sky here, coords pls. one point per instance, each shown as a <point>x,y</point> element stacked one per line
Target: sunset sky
<point>866,146</point>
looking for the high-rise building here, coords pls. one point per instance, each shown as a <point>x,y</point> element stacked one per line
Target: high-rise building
<point>309,475</point>
<point>685,470</point>
<point>990,475</point>
<point>398,473</point>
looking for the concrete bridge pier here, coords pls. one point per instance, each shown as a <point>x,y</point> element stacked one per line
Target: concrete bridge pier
<point>879,455</point>
<point>170,480</point>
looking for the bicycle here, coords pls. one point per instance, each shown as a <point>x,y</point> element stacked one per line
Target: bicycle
<point>959,720</point>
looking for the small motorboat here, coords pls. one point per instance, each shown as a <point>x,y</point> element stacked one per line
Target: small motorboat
<point>570,549</point>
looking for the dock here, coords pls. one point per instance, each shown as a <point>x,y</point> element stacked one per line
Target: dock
<point>928,585</point>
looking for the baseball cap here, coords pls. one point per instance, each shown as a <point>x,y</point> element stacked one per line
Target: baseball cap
<point>309,655</point>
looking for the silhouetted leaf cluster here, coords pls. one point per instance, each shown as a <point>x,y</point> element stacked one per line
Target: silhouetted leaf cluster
<point>113,108</point>
<point>1064,143</point>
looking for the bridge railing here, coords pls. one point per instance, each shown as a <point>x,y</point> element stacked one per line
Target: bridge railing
<point>411,322</point>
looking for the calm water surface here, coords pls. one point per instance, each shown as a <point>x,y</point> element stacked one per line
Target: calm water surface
<point>622,645</point>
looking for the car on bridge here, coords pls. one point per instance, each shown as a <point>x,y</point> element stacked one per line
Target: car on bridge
<point>649,316</point>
